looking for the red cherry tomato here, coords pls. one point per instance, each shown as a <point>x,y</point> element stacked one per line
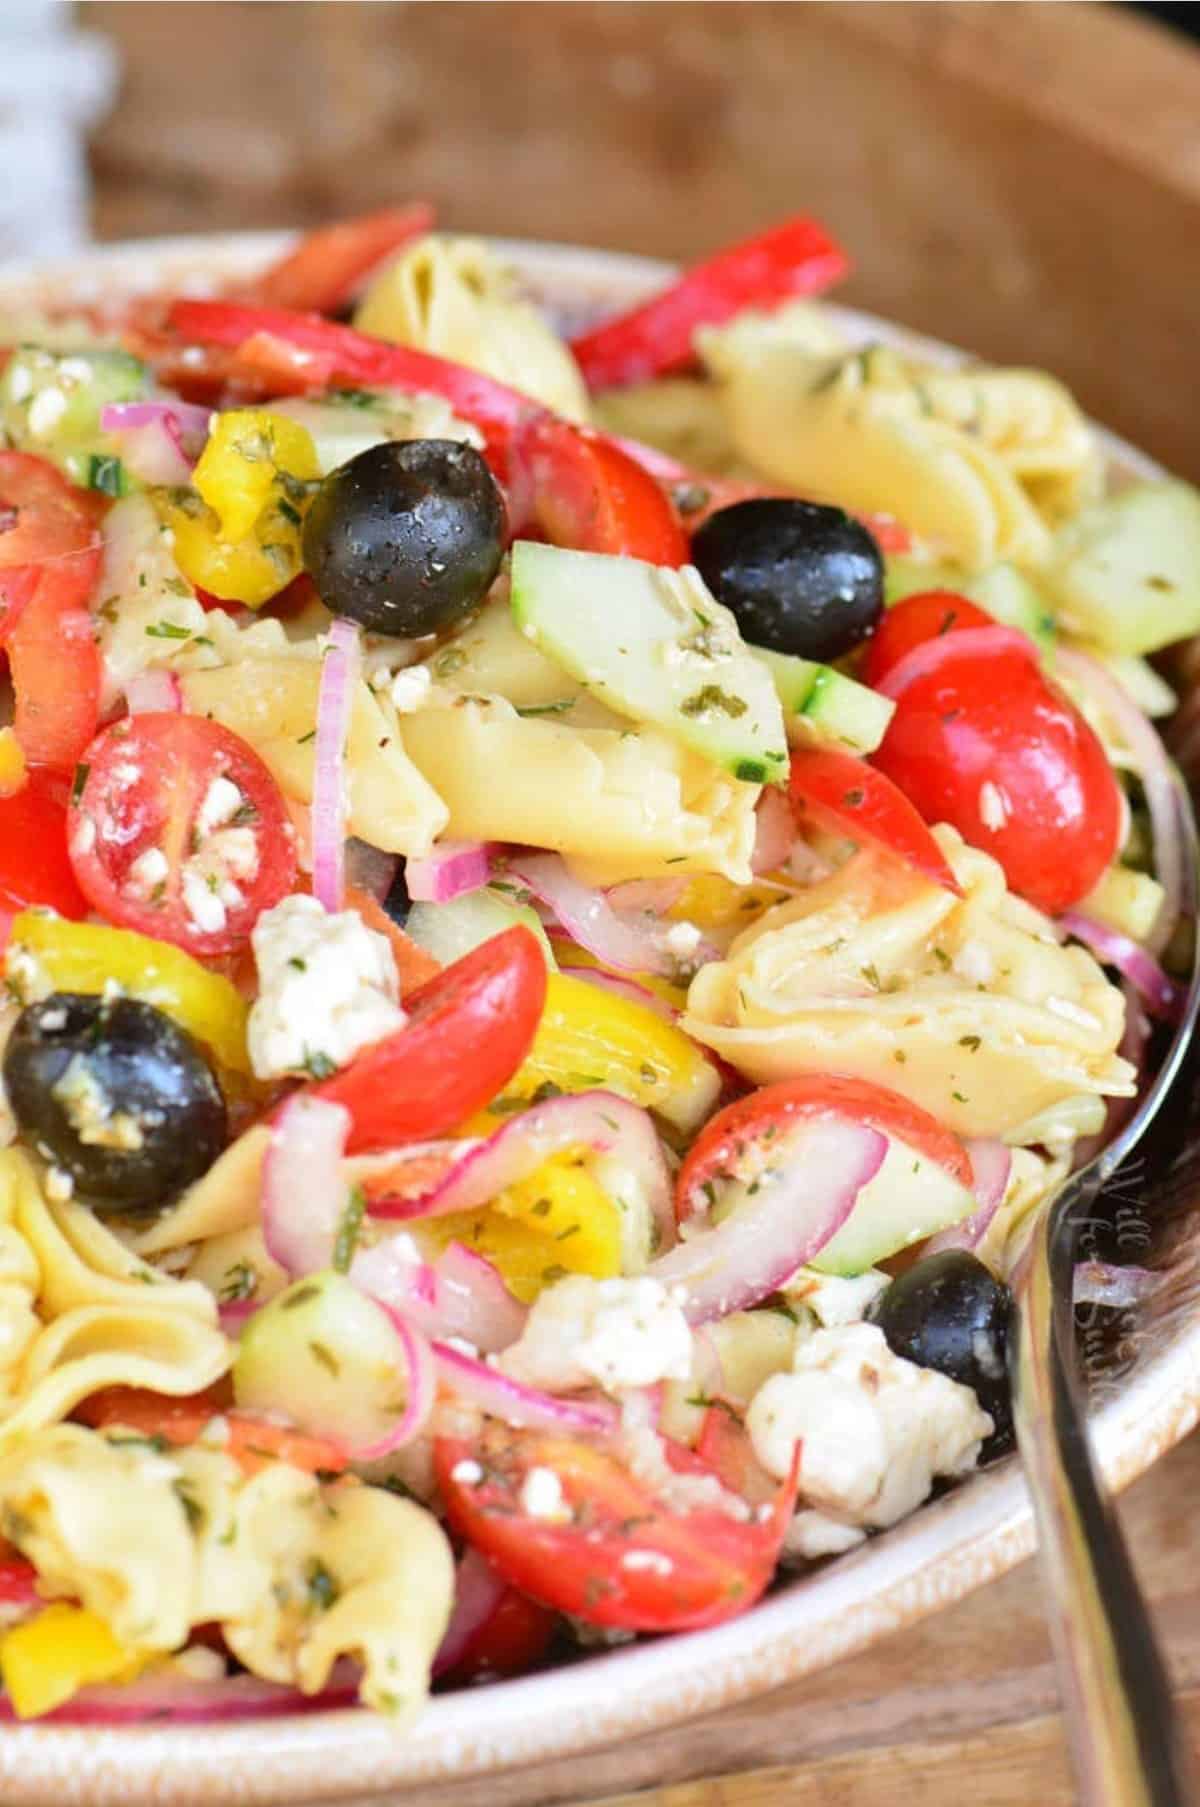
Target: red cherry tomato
<point>179,830</point>
<point>49,562</point>
<point>847,796</point>
<point>512,1636</point>
<point>770,1112</point>
<point>18,1583</point>
<point>34,864</point>
<point>625,1557</point>
<point>467,1032</point>
<point>584,492</point>
<point>912,622</point>
<point>982,740</point>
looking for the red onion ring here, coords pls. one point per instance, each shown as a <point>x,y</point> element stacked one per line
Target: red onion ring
<point>1163,997</point>
<point>459,1294</point>
<point>587,916</point>
<point>304,1189</point>
<point>775,830</point>
<point>657,894</point>
<point>452,870</point>
<point>781,1227</point>
<point>991,1164</point>
<point>153,453</point>
<point>478,1591</point>
<point>177,1699</point>
<point>1100,1283</point>
<point>597,1120</point>
<point>420,1390</point>
<point>189,420</point>
<point>502,1397</point>
<point>335,704</point>
<point>154,692</point>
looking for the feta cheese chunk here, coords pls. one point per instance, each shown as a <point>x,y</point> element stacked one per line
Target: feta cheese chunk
<point>835,1300</point>
<point>327,987</point>
<point>542,1496</point>
<point>619,1333</point>
<point>874,1430</point>
<point>410,688</point>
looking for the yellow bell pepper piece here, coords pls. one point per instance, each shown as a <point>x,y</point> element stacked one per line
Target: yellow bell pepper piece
<point>590,1038</point>
<point>12,764</point>
<point>84,956</point>
<point>569,953</point>
<point>712,902</point>
<point>237,531</point>
<point>558,1221</point>
<point>61,1649</point>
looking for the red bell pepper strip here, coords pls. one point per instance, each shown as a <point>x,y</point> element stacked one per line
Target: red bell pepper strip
<point>845,795</point>
<point>795,258</point>
<point>326,267</point>
<point>585,492</point>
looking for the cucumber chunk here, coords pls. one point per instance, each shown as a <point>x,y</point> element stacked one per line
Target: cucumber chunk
<point>823,703</point>
<point>450,930</point>
<point>654,645</point>
<point>1006,593</point>
<point>909,1198</point>
<point>51,402</point>
<point>1127,572</point>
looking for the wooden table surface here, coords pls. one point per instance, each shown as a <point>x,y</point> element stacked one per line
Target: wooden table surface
<point>961,1707</point>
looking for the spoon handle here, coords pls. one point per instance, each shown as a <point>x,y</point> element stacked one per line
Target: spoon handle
<point>1127,1743</point>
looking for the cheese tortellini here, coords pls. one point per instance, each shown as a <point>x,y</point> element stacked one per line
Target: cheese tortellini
<point>969,1007</point>
<point>453,296</point>
<point>296,1573</point>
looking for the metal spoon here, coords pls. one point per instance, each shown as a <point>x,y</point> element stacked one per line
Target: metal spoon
<point>1127,1744</point>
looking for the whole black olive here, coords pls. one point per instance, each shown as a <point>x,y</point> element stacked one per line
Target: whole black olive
<point>398,903</point>
<point>114,1092</point>
<point>406,537</point>
<point>800,578</point>
<point>949,1312</point>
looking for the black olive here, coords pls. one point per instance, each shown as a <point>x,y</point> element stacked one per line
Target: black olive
<point>398,903</point>
<point>800,578</point>
<point>114,1092</point>
<point>406,537</point>
<point>949,1312</point>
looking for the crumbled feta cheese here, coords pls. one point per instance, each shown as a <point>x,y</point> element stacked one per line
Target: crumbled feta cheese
<point>411,688</point>
<point>542,1496</point>
<point>467,1473</point>
<point>833,1299</point>
<point>58,1185</point>
<point>974,962</point>
<point>873,1429</point>
<point>205,910</point>
<point>682,939</point>
<point>73,371</point>
<point>45,411</point>
<point>993,806</point>
<point>647,1562</point>
<point>222,800</point>
<point>20,384</point>
<point>210,878</point>
<point>26,975</point>
<point>147,872</point>
<point>620,1333</point>
<point>327,987</point>
<point>811,1535</point>
<point>90,1112</point>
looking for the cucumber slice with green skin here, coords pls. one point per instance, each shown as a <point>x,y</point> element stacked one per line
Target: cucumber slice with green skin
<point>1006,593</point>
<point>909,1199</point>
<point>326,1357</point>
<point>450,930</point>
<point>1126,573</point>
<point>654,645</point>
<point>823,703</point>
<point>51,402</point>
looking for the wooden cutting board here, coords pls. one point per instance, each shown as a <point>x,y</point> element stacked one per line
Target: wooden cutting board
<point>962,1707</point>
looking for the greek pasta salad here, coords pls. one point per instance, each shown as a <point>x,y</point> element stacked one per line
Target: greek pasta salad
<point>566,903</point>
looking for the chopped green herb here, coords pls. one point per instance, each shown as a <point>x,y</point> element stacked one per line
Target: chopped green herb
<point>323,1590</point>
<point>79,781</point>
<point>712,700</point>
<point>193,1510</point>
<point>558,708</point>
<point>973,1042</point>
<point>305,1294</point>
<point>168,630</point>
<point>320,1353</point>
<point>107,475</point>
<point>318,1065</point>
<point>240,1282</point>
<point>348,1231</point>
<point>302,740</point>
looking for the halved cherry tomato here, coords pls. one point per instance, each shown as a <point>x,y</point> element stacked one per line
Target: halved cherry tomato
<point>908,624</point>
<point>49,561</point>
<point>253,1443</point>
<point>625,1557</point>
<point>35,867</point>
<point>767,1115</point>
<point>157,847</point>
<point>325,269</point>
<point>467,1032</point>
<point>512,1635</point>
<point>585,492</point>
<point>981,739</point>
<point>847,796</point>
<point>18,1581</point>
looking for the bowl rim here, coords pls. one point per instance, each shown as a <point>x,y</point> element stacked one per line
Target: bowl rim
<point>929,1561</point>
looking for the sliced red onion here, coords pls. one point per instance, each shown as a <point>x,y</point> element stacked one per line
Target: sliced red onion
<point>623,988</point>
<point>983,642</point>
<point>420,1390</point>
<point>186,420</point>
<point>588,917</point>
<point>783,1226</point>
<point>178,1699</point>
<point>459,1294</point>
<point>478,1591</point>
<point>153,454</point>
<point>1099,1283</point>
<point>1163,997</point>
<point>501,1397</point>
<point>304,1190</point>
<point>657,894</point>
<point>597,1120</point>
<point>232,1317</point>
<point>452,870</point>
<point>340,667</point>
<point>154,692</point>
<point>1158,781</point>
<point>991,1164</point>
<point>775,831</point>
<point>369,869</point>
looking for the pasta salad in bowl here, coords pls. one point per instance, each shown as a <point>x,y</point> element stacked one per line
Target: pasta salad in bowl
<point>571,889</point>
